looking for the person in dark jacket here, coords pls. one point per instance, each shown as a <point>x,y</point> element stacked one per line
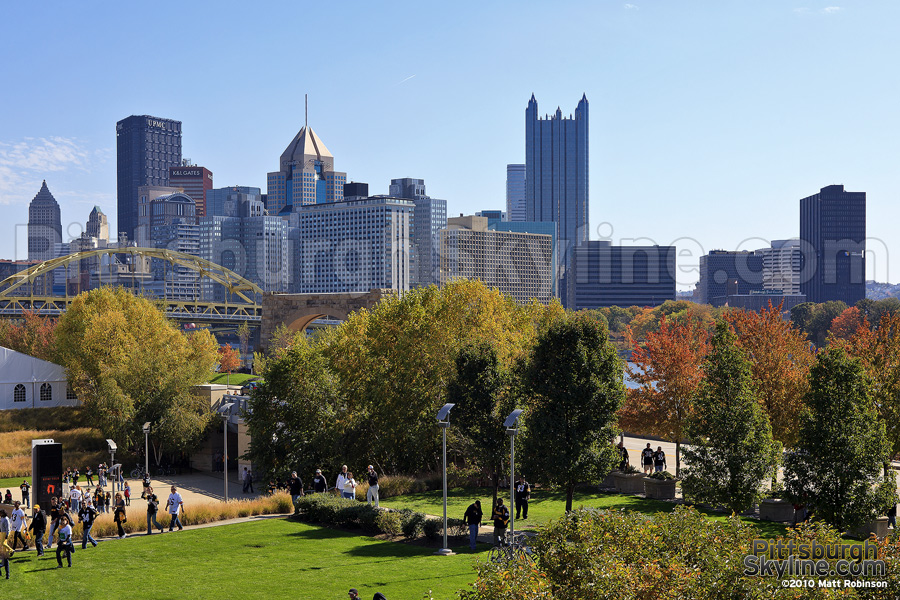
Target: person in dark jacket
<point>623,456</point>
<point>500,515</point>
<point>320,484</point>
<point>523,495</point>
<point>295,485</point>
<point>87,514</point>
<point>473,518</point>
<point>152,509</point>
<point>37,527</point>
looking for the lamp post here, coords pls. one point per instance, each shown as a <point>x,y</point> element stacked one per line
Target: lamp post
<point>511,431</point>
<point>225,411</point>
<point>147,448</point>
<point>443,418</point>
<point>112,459</point>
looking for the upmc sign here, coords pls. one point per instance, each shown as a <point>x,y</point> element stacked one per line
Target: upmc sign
<point>46,472</point>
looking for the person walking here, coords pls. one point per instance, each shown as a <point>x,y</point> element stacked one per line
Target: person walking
<point>75,497</point>
<point>64,542</point>
<point>341,480</point>
<point>107,501</point>
<point>18,526</point>
<point>320,484</point>
<point>247,478</point>
<point>349,487</point>
<point>26,488</point>
<point>892,516</point>
<point>101,475</point>
<point>87,515</point>
<point>89,474</point>
<point>127,494</point>
<point>5,550</point>
<point>523,495</point>
<point>372,493</point>
<point>152,509</point>
<point>37,527</point>
<point>146,482</point>
<point>174,504</point>
<point>55,513</point>
<point>623,456</point>
<point>647,459</point>
<point>659,460</point>
<point>295,486</point>
<point>120,517</point>
<point>500,515</point>
<point>472,518</point>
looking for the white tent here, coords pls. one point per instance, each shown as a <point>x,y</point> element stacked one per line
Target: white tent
<point>29,382</point>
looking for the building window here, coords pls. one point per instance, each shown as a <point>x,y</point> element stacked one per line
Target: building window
<point>70,393</point>
<point>19,393</point>
<point>46,392</point>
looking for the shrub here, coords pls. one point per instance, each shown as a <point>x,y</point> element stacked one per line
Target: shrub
<point>664,475</point>
<point>389,522</point>
<point>432,528</point>
<point>457,527</point>
<point>338,512</point>
<point>413,523</point>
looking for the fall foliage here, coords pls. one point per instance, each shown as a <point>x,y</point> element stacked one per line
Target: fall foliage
<point>34,336</point>
<point>845,324</point>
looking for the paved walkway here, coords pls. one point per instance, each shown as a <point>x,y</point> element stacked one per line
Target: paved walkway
<point>195,488</point>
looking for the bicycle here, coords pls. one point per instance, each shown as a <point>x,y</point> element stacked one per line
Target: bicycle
<point>138,472</point>
<point>513,548</point>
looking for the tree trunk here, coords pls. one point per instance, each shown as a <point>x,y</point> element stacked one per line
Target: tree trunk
<point>677,458</point>
<point>496,479</point>
<point>570,493</point>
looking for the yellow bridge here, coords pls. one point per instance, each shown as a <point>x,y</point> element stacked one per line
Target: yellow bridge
<point>243,297</point>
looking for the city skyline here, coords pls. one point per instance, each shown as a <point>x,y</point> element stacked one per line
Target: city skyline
<point>715,148</point>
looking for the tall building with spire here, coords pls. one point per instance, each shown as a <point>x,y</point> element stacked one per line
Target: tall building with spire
<point>44,225</point>
<point>306,175</point>
<point>556,178</point>
<point>97,225</point>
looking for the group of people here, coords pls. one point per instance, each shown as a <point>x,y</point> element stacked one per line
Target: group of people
<point>345,485</point>
<point>499,514</point>
<point>651,460</point>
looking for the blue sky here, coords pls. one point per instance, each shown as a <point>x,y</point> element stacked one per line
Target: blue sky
<point>709,120</point>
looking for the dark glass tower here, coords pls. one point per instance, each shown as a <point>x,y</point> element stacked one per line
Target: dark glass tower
<point>833,243</point>
<point>146,148</point>
<point>556,177</point>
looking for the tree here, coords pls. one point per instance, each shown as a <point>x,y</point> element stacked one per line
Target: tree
<point>478,388</point>
<point>229,361</point>
<point>815,319</point>
<point>34,336</point>
<point>836,469</point>
<point>574,383</point>
<point>128,364</point>
<point>780,359</point>
<point>292,415</point>
<point>845,324</point>
<point>668,370</point>
<point>879,351</point>
<point>731,451</point>
<point>243,333</point>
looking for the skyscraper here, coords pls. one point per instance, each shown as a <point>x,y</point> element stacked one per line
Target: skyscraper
<point>44,226</point>
<point>833,242</point>
<point>146,148</point>
<point>194,180</point>
<point>97,225</point>
<point>556,176</point>
<point>515,193</point>
<point>306,175</point>
<point>429,217</point>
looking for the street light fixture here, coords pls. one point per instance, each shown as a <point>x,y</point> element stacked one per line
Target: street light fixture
<point>511,431</point>
<point>147,448</point>
<point>112,459</point>
<point>443,418</point>
<point>225,411</point>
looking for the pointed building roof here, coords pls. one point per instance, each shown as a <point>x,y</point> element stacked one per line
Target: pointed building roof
<point>44,196</point>
<point>306,145</point>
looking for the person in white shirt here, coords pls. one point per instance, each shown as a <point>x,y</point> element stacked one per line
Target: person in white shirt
<point>18,526</point>
<point>173,504</point>
<point>64,541</point>
<point>75,497</point>
<point>349,487</point>
<point>341,480</point>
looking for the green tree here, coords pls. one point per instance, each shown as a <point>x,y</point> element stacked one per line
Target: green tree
<point>815,319</point>
<point>731,451</point>
<point>478,388</point>
<point>574,381</point>
<point>836,470</point>
<point>129,364</point>
<point>291,414</point>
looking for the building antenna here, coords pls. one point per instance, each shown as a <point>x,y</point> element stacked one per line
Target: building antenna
<point>306,110</point>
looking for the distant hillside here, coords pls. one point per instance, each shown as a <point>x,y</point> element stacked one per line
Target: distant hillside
<point>880,291</point>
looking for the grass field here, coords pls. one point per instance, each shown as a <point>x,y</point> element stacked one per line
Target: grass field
<point>545,506</point>
<point>271,559</point>
<point>234,379</point>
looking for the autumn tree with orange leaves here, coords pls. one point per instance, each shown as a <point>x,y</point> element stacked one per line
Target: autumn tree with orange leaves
<point>780,358</point>
<point>845,324</point>
<point>668,369</point>
<point>229,360</point>
<point>34,336</point>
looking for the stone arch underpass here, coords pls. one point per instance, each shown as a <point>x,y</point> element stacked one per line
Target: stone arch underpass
<point>297,311</point>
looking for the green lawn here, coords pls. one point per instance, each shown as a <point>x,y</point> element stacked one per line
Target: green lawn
<point>12,484</point>
<point>233,379</point>
<point>270,559</point>
<point>545,505</point>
